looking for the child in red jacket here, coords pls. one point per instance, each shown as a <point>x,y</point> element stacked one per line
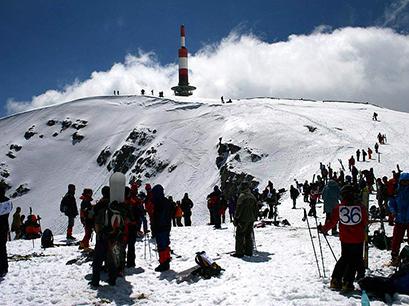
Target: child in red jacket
<point>352,218</point>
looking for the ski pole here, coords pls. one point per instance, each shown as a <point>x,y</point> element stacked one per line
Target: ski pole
<point>254,240</point>
<point>312,241</point>
<point>326,239</point>
<point>149,246</point>
<point>319,243</point>
<point>144,247</point>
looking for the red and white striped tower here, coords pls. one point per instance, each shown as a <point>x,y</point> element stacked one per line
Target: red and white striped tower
<point>183,88</point>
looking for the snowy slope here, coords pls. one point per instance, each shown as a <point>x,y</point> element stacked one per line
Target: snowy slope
<point>283,272</point>
<point>187,133</point>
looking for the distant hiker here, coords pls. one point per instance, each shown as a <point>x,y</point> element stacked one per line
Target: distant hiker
<point>324,174</point>
<point>354,173</point>
<point>314,195</point>
<point>294,193</point>
<point>358,153</point>
<point>352,218</point>
<point>380,138</point>
<point>213,204</point>
<point>351,162</point>
<point>152,92</point>
<point>399,207</point>
<point>186,206</point>
<point>306,191</point>
<point>117,92</point>
<point>223,208</point>
<point>69,208</point>
<point>375,116</point>
<point>246,215</point>
<point>369,153</point>
<point>114,92</point>
<point>221,98</point>
<point>363,155</point>
<point>170,198</point>
<point>382,197</point>
<point>87,217</point>
<point>16,224</point>
<point>178,214</point>
<point>161,225</point>
<point>232,207</point>
<point>143,92</point>
<point>160,94</point>
<point>101,241</point>
<point>5,208</point>
<point>331,195</point>
<point>376,148</point>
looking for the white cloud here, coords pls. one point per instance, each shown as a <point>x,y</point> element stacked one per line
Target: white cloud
<point>364,64</point>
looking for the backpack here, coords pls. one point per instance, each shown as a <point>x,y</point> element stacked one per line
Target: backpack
<point>63,205</point>
<point>381,241</point>
<point>207,267</point>
<point>47,239</point>
<point>114,222</point>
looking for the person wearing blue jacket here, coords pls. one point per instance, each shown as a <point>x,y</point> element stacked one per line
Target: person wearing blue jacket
<point>161,225</point>
<point>331,194</point>
<point>399,207</point>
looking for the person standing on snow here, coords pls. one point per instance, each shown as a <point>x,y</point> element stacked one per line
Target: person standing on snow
<point>161,225</point>
<point>331,195</point>
<point>399,207</point>
<point>246,215</point>
<point>87,217</point>
<point>213,204</point>
<point>358,153</point>
<point>363,155</point>
<point>294,193</point>
<point>69,206</point>
<point>187,206</point>
<point>5,208</point>
<point>352,218</point>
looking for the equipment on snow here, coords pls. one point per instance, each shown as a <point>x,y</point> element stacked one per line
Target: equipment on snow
<point>305,218</point>
<point>47,239</point>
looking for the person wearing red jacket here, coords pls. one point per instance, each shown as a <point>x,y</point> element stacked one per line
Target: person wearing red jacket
<point>352,218</point>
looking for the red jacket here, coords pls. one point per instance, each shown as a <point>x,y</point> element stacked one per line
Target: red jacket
<point>352,221</point>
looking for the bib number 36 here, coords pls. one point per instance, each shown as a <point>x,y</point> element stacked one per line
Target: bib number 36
<point>350,215</point>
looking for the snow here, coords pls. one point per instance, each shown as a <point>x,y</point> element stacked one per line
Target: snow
<point>284,271</point>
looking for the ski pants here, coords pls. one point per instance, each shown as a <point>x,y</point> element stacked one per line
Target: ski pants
<point>327,219</point>
<point>130,255</point>
<point>100,255</point>
<point>399,230</point>
<point>87,235</point>
<point>216,217</point>
<point>163,242</point>
<point>350,263</point>
<point>244,239</point>
<point>71,220</point>
<point>4,265</point>
<point>187,219</point>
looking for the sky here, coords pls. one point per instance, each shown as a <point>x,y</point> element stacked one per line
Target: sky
<point>58,50</point>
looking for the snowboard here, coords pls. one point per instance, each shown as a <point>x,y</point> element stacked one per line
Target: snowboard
<point>117,183</point>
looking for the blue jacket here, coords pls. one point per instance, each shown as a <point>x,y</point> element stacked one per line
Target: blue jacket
<point>331,196</point>
<point>399,205</point>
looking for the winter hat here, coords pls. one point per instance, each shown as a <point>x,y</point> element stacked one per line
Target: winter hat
<point>148,187</point>
<point>105,191</point>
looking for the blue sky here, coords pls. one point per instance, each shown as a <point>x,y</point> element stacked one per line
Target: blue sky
<point>47,44</point>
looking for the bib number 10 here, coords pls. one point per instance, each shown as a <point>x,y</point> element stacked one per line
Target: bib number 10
<point>350,215</point>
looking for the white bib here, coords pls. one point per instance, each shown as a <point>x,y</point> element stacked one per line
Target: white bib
<point>350,215</point>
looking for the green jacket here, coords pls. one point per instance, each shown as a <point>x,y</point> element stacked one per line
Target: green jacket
<point>246,210</point>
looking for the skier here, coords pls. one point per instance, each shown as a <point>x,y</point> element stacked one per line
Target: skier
<point>375,116</point>
<point>352,218</point>
<point>399,207</point>
<point>358,153</point>
<point>161,225</point>
<point>369,153</point>
<point>16,224</point>
<point>331,195</point>
<point>186,206</point>
<point>213,204</point>
<point>5,208</point>
<point>294,195</point>
<point>222,99</point>
<point>232,207</point>
<point>101,241</point>
<point>223,207</point>
<point>143,92</point>
<point>152,92</point>
<point>87,218</point>
<point>351,162</point>
<point>69,206</point>
<point>363,155</point>
<point>246,215</point>
<point>376,148</point>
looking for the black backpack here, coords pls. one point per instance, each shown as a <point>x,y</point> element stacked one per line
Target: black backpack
<point>207,267</point>
<point>47,239</point>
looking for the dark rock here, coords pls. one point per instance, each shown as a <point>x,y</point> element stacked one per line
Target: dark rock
<point>11,155</point>
<point>4,173</point>
<point>237,157</point>
<point>5,184</point>
<point>30,133</point>
<point>233,148</point>
<point>21,190</point>
<point>15,147</point>
<point>51,122</point>
<point>55,134</point>
<point>79,124</point>
<point>255,158</point>
<point>77,138</point>
<point>171,168</point>
<point>123,159</point>
<point>65,124</point>
<point>310,128</point>
<point>41,136</point>
<point>103,156</point>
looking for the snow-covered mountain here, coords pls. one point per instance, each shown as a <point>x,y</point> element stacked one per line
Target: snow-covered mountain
<point>175,143</point>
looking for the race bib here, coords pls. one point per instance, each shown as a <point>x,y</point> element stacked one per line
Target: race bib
<point>6,207</point>
<point>350,215</point>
